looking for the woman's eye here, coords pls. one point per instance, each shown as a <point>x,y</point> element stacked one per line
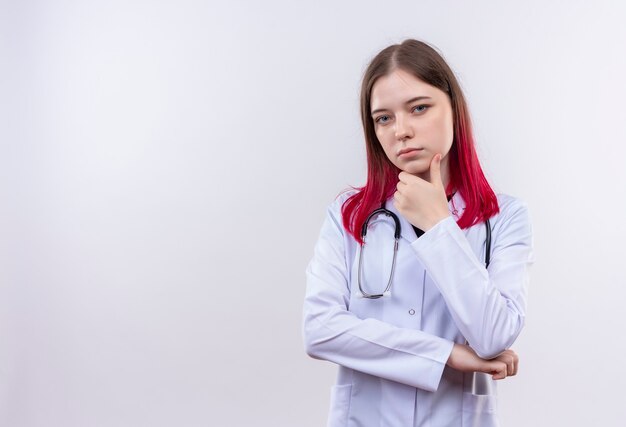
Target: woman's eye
<point>382,120</point>
<point>419,108</point>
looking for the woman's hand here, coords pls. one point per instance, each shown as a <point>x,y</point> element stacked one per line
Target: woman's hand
<point>464,359</point>
<point>423,203</point>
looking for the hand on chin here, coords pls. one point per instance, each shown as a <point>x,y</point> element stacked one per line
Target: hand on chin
<point>420,198</point>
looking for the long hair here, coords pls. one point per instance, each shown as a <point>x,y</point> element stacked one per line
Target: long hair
<point>466,175</point>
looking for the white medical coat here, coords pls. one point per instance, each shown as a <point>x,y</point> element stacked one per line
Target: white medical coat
<point>392,351</point>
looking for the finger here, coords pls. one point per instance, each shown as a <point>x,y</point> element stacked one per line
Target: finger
<point>408,178</point>
<point>508,357</point>
<point>512,360</point>
<point>435,170</point>
<point>510,368</point>
<point>404,177</point>
<point>502,373</point>
<point>515,365</point>
<point>499,371</point>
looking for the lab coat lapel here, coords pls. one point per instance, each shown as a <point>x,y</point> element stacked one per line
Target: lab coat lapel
<point>456,205</point>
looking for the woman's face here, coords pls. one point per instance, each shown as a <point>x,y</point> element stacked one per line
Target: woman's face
<point>413,122</point>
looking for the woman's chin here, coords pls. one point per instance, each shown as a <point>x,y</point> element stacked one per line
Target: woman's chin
<point>414,169</point>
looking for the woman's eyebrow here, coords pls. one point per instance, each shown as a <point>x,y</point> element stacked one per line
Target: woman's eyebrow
<point>417,98</point>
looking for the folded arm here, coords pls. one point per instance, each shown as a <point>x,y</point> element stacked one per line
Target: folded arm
<point>487,305</point>
<point>331,332</point>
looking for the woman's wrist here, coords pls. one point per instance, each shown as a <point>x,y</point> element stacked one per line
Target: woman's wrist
<point>436,221</point>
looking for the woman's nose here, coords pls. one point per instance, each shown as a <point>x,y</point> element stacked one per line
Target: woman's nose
<point>403,129</point>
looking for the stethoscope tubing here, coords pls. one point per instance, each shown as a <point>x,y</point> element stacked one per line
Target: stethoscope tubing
<point>397,232</point>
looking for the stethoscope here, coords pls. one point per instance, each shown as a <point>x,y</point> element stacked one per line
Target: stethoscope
<point>383,210</point>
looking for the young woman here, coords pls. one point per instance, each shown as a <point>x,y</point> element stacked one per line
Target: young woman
<point>418,283</point>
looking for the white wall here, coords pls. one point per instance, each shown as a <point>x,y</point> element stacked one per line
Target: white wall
<point>164,171</point>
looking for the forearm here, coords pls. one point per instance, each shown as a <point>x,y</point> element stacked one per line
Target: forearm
<point>488,307</point>
<point>403,355</point>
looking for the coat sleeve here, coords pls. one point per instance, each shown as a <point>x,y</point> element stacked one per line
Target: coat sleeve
<point>331,332</point>
<point>488,306</point>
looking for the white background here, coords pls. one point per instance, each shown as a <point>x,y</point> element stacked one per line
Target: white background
<point>165,167</point>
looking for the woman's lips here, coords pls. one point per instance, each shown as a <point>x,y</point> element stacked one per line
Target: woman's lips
<point>410,152</point>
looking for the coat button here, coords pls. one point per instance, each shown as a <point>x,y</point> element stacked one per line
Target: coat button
<point>411,312</point>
